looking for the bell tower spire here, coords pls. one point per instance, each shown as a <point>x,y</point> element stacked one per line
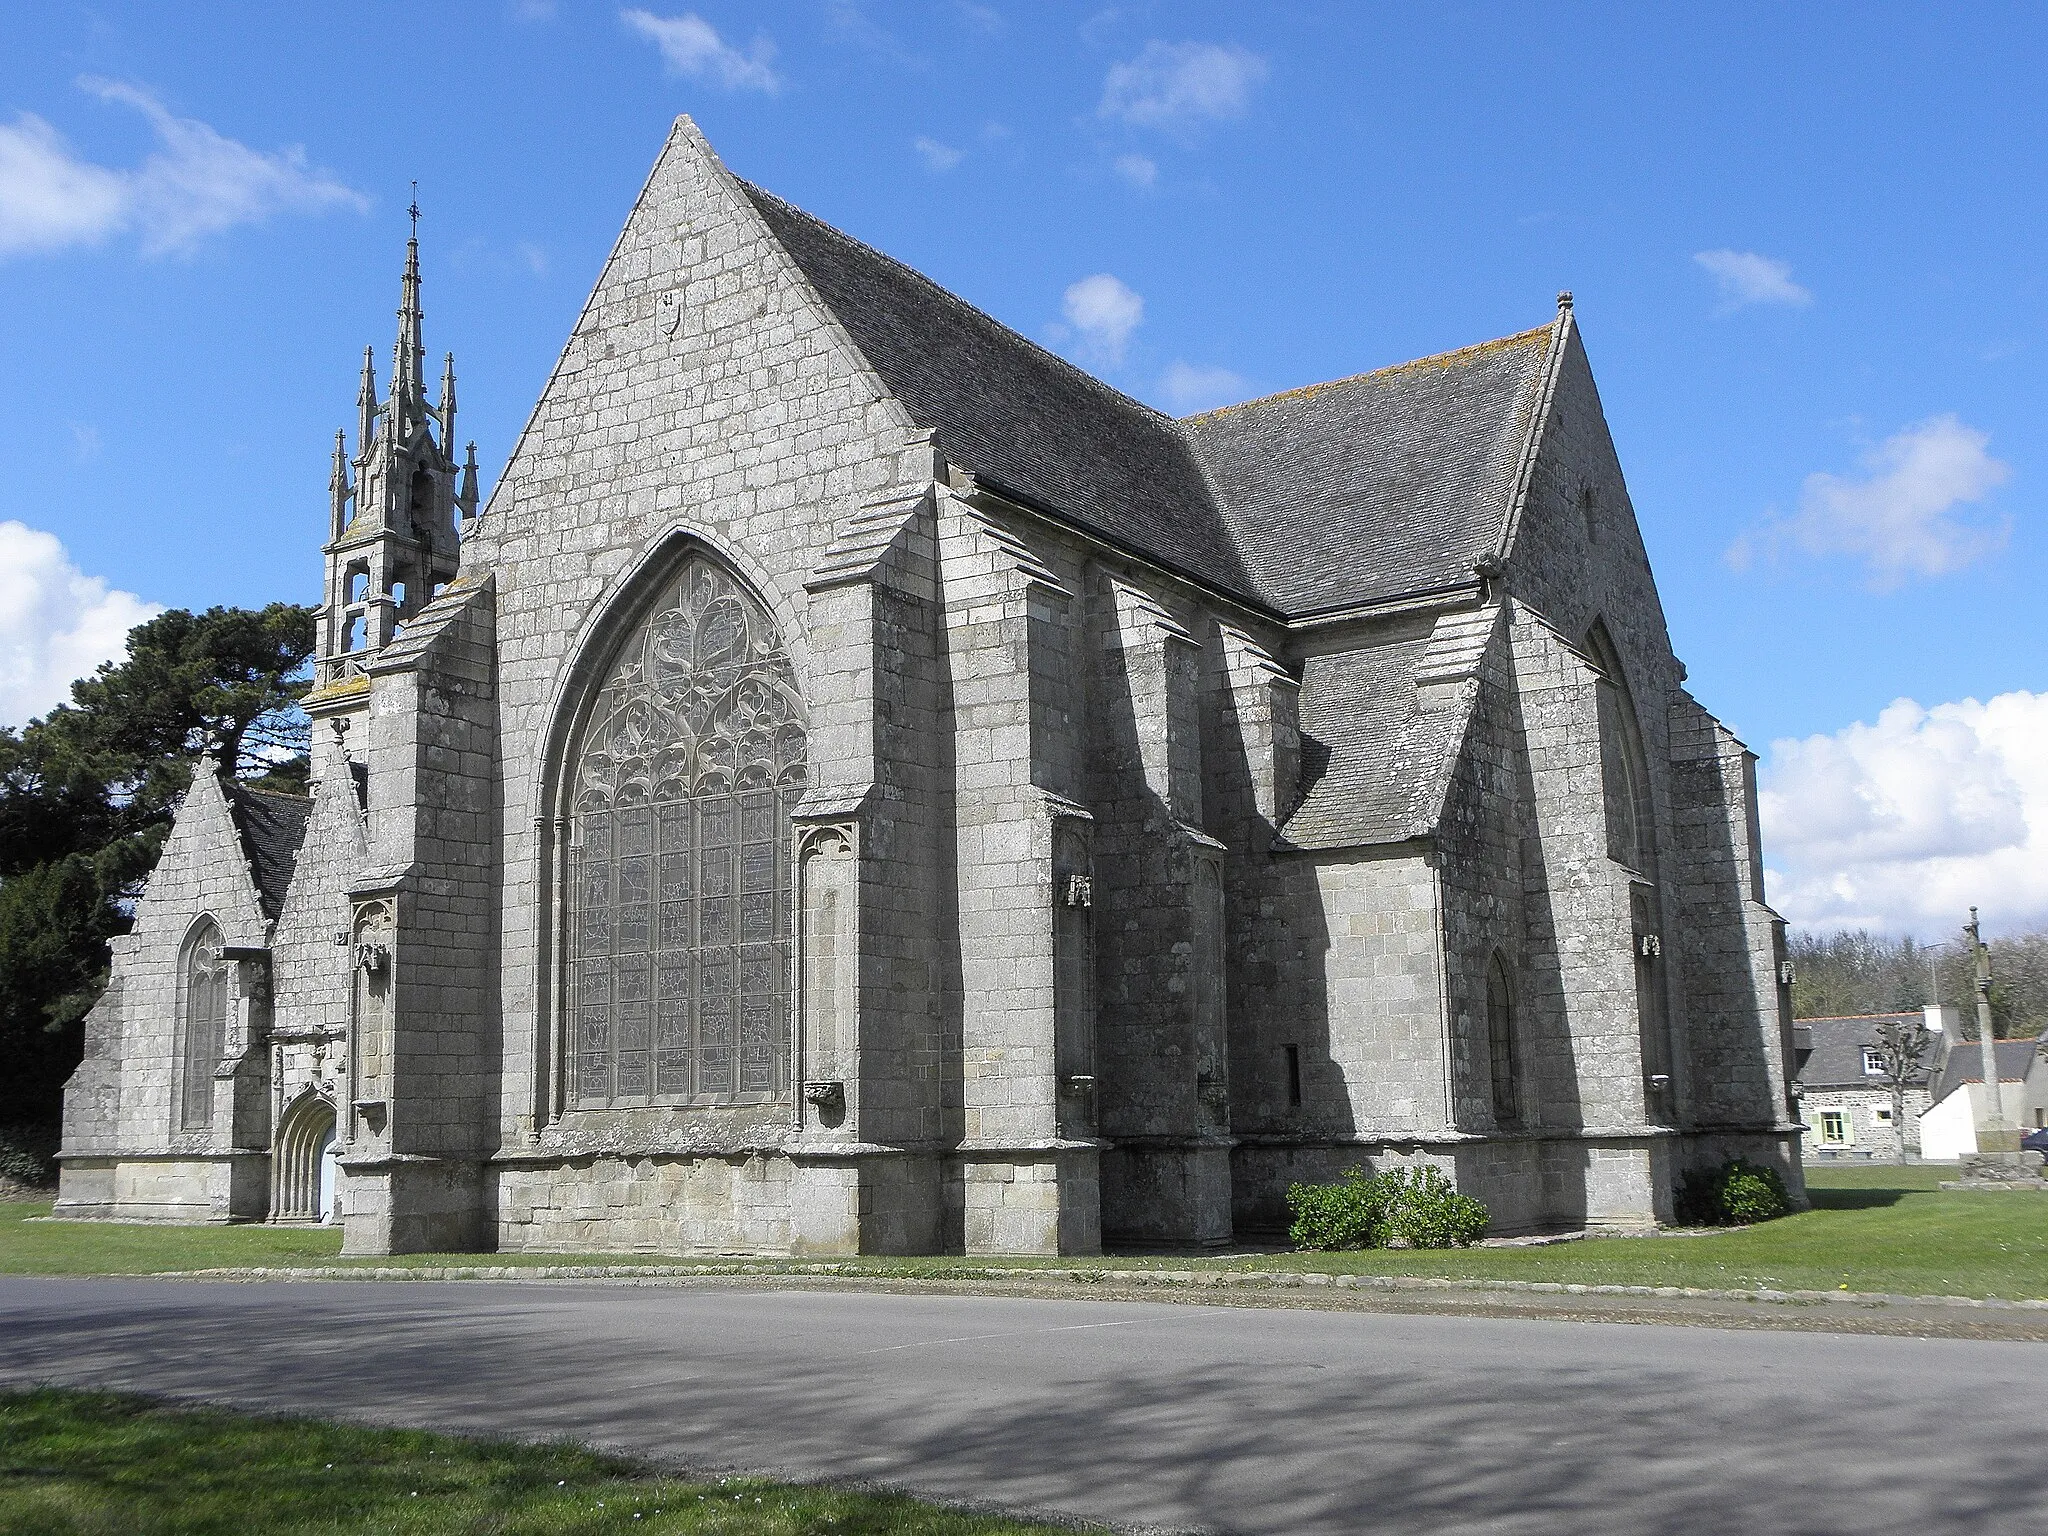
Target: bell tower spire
<point>408,353</point>
<point>394,534</point>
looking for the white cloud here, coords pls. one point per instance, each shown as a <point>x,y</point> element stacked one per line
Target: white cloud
<point>49,198</point>
<point>1105,312</point>
<point>1140,171</point>
<point>198,183</point>
<point>1899,516</point>
<point>1188,389</point>
<point>535,257</point>
<point>1904,825</point>
<point>691,46</point>
<point>983,18</point>
<point>937,156</point>
<point>1179,84</point>
<point>56,623</point>
<point>1746,278</point>
<point>85,440</point>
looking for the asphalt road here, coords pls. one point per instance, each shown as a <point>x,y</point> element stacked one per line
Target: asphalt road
<point>1147,1415</point>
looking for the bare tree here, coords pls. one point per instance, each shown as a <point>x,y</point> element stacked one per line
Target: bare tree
<point>1902,1063</point>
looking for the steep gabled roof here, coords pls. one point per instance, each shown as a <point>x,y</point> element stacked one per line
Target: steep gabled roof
<point>1022,419</point>
<point>1965,1064</point>
<point>1835,1059</point>
<point>1376,486</point>
<point>1389,483</point>
<point>271,827</point>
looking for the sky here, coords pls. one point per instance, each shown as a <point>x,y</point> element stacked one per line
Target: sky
<point>1805,243</point>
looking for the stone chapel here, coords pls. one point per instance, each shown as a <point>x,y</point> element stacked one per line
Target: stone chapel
<point>863,785</point>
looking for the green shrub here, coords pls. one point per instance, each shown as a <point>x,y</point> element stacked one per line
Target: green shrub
<point>1735,1194</point>
<point>28,1155</point>
<point>1347,1214</point>
<point>1424,1210</point>
<point>1401,1208</point>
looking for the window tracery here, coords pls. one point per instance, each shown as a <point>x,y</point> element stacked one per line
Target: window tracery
<point>682,785</point>
<point>205,1001</point>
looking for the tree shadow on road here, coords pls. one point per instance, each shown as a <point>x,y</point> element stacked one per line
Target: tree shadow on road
<point>1334,1423</point>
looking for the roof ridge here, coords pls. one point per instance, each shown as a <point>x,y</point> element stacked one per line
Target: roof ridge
<point>1456,353</point>
<point>275,794</point>
<point>954,299</point>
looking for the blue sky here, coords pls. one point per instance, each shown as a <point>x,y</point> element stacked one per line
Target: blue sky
<point>1806,246</point>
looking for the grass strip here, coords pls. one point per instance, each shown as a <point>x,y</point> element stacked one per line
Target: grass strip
<point>1877,1229</point>
<point>97,1464</point>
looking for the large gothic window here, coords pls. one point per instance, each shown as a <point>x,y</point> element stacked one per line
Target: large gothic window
<point>204,1002</point>
<point>682,783</point>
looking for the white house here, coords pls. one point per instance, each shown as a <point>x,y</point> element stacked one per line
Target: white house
<point>1948,1128</point>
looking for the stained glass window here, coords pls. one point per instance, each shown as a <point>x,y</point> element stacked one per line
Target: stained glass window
<point>679,876</point>
<point>206,1021</point>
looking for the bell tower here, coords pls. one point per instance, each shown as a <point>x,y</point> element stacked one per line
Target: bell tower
<point>394,529</point>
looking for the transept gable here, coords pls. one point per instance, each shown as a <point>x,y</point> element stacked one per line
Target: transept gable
<point>205,867</point>
<point>702,319</point>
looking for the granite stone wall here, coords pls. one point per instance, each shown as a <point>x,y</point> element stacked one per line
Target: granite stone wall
<point>126,1151</point>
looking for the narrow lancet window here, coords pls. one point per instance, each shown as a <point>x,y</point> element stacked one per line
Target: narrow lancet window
<point>679,881</point>
<point>204,1001</point>
<point>1500,1043</point>
<point>1624,766</point>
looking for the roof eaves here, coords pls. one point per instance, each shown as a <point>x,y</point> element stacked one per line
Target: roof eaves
<point>981,485</point>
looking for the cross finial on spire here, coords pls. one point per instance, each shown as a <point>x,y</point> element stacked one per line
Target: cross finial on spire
<point>414,210</point>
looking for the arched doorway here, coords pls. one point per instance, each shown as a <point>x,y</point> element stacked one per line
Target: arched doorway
<point>303,1167</point>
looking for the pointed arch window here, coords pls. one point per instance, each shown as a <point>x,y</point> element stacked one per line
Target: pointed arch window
<point>1624,766</point>
<point>682,782</point>
<point>202,1030</point>
<point>1500,1042</point>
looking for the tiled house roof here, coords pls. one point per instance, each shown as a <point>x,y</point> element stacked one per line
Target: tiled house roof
<point>1831,1049</point>
<point>1965,1064</point>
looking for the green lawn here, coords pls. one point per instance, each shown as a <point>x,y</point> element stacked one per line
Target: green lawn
<point>93,1464</point>
<point>1872,1229</point>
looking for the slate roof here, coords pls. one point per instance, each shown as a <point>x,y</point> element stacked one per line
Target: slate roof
<point>1965,1064</point>
<point>1372,762</point>
<point>1326,497</point>
<point>1835,1059</point>
<point>1389,483</point>
<point>1025,421</point>
<point>272,827</point>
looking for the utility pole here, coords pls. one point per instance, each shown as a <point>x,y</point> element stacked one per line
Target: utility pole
<point>1995,1138</point>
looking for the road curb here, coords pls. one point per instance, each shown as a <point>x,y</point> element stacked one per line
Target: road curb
<point>1196,1278</point>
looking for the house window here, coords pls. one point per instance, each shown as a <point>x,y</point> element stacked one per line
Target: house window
<point>1834,1127</point>
<point>679,874</point>
<point>1873,1061</point>
<point>1884,1116</point>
